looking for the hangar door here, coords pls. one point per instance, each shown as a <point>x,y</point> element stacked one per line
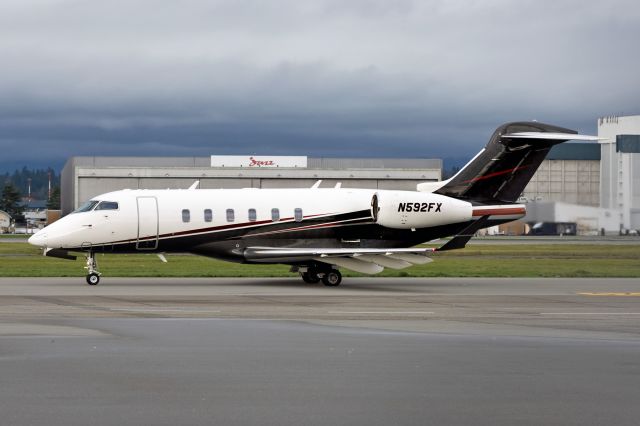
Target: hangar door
<point>147,223</point>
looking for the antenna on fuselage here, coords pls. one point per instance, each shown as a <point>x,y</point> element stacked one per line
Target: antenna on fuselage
<point>194,185</point>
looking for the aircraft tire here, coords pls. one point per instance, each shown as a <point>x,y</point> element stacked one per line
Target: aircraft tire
<point>333,278</point>
<point>93,279</point>
<point>310,277</point>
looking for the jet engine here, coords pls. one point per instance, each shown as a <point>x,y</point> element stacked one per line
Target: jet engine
<point>408,209</point>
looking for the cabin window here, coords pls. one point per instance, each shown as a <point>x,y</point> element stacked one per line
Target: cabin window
<point>275,215</point>
<point>89,205</point>
<point>252,215</point>
<point>297,213</point>
<point>231,216</point>
<point>186,215</point>
<point>107,205</point>
<point>208,215</point>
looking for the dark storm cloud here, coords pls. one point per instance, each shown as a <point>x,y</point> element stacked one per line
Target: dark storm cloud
<point>361,78</point>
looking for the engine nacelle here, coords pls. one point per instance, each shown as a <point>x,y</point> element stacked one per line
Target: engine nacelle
<point>408,209</point>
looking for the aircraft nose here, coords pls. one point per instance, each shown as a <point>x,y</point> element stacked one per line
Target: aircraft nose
<point>38,239</point>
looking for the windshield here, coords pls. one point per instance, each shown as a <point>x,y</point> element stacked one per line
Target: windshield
<point>107,205</point>
<point>89,205</point>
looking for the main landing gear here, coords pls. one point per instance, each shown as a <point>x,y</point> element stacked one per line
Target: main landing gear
<point>93,276</point>
<point>329,277</point>
<point>333,278</point>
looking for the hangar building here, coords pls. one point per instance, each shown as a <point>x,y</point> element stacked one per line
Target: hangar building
<point>86,177</point>
<point>620,168</point>
<point>594,186</point>
<point>569,174</point>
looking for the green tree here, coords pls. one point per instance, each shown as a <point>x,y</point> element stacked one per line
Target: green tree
<point>54,201</point>
<point>10,201</point>
<point>39,181</point>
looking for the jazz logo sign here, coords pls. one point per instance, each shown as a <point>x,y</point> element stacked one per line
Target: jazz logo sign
<point>257,161</point>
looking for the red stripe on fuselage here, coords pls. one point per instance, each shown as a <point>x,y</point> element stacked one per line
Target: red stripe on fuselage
<point>507,211</point>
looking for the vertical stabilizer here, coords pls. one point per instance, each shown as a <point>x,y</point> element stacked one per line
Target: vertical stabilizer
<point>501,171</point>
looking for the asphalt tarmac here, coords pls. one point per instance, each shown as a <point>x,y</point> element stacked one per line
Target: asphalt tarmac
<point>373,351</point>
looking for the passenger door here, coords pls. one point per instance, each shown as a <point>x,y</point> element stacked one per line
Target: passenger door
<point>147,223</point>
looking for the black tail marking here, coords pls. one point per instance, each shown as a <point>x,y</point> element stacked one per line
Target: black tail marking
<point>502,170</point>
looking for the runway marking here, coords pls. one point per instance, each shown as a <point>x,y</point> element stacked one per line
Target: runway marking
<point>163,310</point>
<point>628,294</point>
<point>381,312</point>
<point>589,313</point>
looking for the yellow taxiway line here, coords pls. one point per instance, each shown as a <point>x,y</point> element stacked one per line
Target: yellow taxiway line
<point>611,294</point>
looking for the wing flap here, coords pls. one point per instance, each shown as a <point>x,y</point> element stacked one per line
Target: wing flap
<point>364,260</point>
<point>353,264</point>
<point>385,261</point>
<point>416,259</point>
<point>256,253</point>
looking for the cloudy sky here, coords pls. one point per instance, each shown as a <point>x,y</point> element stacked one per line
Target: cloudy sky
<point>323,78</point>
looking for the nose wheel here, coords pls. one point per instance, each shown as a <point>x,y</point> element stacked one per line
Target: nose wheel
<point>93,279</point>
<point>93,276</point>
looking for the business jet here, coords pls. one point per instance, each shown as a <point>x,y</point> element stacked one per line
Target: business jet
<point>314,230</point>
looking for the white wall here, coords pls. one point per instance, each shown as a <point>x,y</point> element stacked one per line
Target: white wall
<point>620,172</point>
<point>589,219</point>
<point>5,220</point>
<point>571,181</point>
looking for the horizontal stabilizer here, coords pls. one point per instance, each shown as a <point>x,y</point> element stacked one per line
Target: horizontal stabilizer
<point>551,136</point>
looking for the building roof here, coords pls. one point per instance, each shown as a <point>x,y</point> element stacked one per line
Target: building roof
<point>312,162</point>
<point>34,204</point>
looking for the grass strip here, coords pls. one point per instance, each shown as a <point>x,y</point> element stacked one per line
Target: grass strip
<point>500,260</point>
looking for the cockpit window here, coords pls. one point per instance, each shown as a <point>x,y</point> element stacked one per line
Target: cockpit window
<point>107,205</point>
<point>89,205</point>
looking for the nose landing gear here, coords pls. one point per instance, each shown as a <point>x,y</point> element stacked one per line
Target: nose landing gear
<point>93,276</point>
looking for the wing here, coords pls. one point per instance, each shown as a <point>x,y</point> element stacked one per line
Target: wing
<point>367,261</point>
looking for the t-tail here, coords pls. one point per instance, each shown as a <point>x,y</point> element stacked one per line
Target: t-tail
<point>501,171</point>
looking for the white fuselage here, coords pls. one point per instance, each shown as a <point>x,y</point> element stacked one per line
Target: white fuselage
<point>147,218</point>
